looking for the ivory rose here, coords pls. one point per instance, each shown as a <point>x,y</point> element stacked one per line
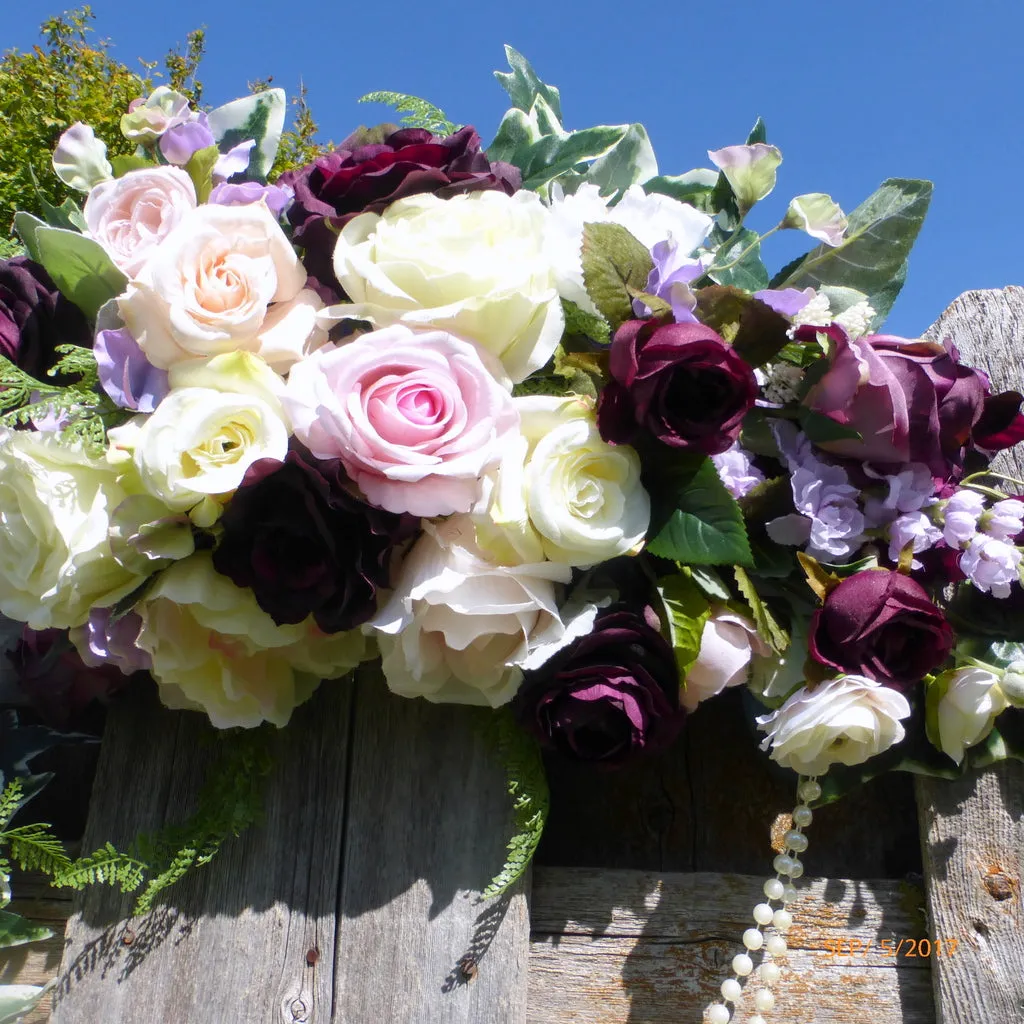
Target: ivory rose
<point>728,641</point>
<point>971,699</point>
<point>214,649</point>
<point>474,264</point>
<point>129,216</point>
<point>561,492</point>
<point>416,417</point>
<point>55,508</point>
<point>226,278</point>
<point>842,721</point>
<point>460,629</point>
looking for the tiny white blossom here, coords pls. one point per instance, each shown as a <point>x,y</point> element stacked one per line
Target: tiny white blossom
<point>817,313</point>
<point>782,383</point>
<point>856,320</point>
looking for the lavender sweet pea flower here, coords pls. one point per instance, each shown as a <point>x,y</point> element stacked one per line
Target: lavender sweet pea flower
<point>737,471</point>
<point>130,379</point>
<point>961,514</point>
<point>991,565</point>
<point>178,144</point>
<point>234,161</point>
<point>245,193</point>
<point>1004,520</point>
<point>912,528</point>
<point>106,641</point>
<point>670,279</point>
<point>786,301</point>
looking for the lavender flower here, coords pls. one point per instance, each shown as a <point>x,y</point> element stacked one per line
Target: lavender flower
<point>1004,520</point>
<point>991,565</point>
<point>961,514</point>
<point>912,528</point>
<point>736,470</point>
<point>127,376</point>
<point>277,197</point>
<point>670,279</point>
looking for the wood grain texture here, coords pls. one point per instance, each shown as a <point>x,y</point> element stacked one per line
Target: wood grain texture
<point>660,954</point>
<point>972,830</point>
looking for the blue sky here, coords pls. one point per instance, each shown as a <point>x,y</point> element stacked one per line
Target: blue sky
<point>852,92</point>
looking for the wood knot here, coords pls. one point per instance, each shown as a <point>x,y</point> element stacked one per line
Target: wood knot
<point>999,885</point>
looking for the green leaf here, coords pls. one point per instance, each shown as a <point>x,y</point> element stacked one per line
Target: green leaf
<point>200,169</point>
<point>693,187</point>
<point>123,164</point>
<point>26,224</point>
<point>553,155</point>
<point>523,86</point>
<point>630,161</point>
<point>16,931</point>
<point>516,134</point>
<point>614,262</point>
<point>67,215</point>
<point>259,117</point>
<point>18,1000</point>
<point>709,582</point>
<point>820,429</point>
<point>419,113</point>
<point>80,268</point>
<point>686,611</point>
<point>767,626</point>
<point>579,323</point>
<point>704,525</point>
<point>873,254</point>
<point>758,133</point>
<point>755,330</point>
<point>749,273</point>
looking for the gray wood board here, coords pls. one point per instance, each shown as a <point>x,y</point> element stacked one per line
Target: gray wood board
<point>350,895</point>
<point>632,947</point>
<point>972,830</point>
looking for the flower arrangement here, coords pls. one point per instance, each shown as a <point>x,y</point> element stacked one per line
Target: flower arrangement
<point>532,424</point>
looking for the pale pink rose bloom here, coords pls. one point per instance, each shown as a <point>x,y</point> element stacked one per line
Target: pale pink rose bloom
<point>727,644</point>
<point>129,216</point>
<point>415,416</point>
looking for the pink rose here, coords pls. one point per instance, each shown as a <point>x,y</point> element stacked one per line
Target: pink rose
<point>131,215</point>
<point>415,416</point>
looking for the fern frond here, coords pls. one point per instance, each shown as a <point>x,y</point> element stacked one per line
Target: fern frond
<point>107,866</point>
<point>35,848</point>
<point>10,800</point>
<point>527,784</point>
<point>419,113</point>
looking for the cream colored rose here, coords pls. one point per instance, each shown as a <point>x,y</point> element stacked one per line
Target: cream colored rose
<point>460,629</point>
<point>727,643</point>
<point>561,492</point>
<point>55,508</point>
<point>129,216</point>
<point>214,649</point>
<point>240,373</point>
<point>971,699</point>
<point>474,265</point>
<point>842,721</point>
<point>198,444</point>
<point>226,278</point>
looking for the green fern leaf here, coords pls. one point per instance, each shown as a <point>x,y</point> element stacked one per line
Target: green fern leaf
<point>419,113</point>
<point>35,848</point>
<point>107,866</point>
<point>10,800</point>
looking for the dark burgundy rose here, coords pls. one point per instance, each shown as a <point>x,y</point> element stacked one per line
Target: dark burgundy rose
<point>296,536</point>
<point>680,382</point>
<point>35,317</point>
<point>608,696</point>
<point>880,624</point>
<point>58,684</point>
<point>365,176</point>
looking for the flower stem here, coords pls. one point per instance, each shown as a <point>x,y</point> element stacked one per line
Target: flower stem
<point>753,245</point>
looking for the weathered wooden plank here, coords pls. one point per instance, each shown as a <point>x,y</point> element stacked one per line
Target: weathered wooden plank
<point>630,947</point>
<point>427,825</point>
<point>972,830</point>
<point>233,942</point>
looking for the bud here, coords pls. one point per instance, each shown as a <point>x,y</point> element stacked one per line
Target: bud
<point>969,701</point>
<point>1012,685</point>
<point>148,119</point>
<point>750,170</point>
<point>80,159</point>
<point>819,216</point>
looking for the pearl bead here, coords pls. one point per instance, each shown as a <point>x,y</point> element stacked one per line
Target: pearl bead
<point>809,790</point>
<point>742,964</point>
<point>769,973</point>
<point>776,945</point>
<point>731,990</point>
<point>756,1019</point>
<point>763,913</point>
<point>802,816</point>
<point>774,889</point>
<point>783,921</point>
<point>782,864</point>
<point>718,1014</point>
<point>753,939</point>
<point>763,999</point>
<point>788,892</point>
<point>797,869</point>
<point>796,840</point>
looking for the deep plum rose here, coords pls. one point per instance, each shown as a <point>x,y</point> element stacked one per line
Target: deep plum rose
<point>610,696</point>
<point>880,624</point>
<point>35,317</point>
<point>296,536</point>
<point>680,382</point>
<point>365,175</point>
<point>911,401</point>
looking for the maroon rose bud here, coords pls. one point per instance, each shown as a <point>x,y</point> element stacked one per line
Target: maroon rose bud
<point>305,545</point>
<point>360,177</point>
<point>608,696</point>
<point>880,624</point>
<point>679,382</point>
<point>35,317</point>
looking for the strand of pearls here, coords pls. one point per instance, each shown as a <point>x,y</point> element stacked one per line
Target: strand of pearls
<point>780,889</point>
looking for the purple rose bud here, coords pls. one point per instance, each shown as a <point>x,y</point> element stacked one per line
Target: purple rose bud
<point>880,624</point>
<point>607,697</point>
<point>679,382</point>
<point>127,376</point>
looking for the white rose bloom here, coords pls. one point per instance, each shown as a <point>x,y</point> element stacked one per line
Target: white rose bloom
<point>842,721</point>
<point>459,629</point>
<point>129,216</point>
<point>198,444</point>
<point>967,709</point>
<point>727,643</point>
<point>226,278</point>
<point>214,649</point>
<point>648,218</point>
<point>561,492</point>
<point>474,265</point>
<point>55,509</point>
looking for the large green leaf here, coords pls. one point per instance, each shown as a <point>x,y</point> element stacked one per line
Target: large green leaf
<point>748,272</point>
<point>693,187</point>
<point>630,161</point>
<point>16,931</point>
<point>26,225</point>
<point>523,86</point>
<point>686,610</point>
<point>554,155</point>
<point>18,1000</point>
<point>695,520</point>
<point>259,117</point>
<point>80,268</point>
<point>872,257</point>
<point>615,267</point>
